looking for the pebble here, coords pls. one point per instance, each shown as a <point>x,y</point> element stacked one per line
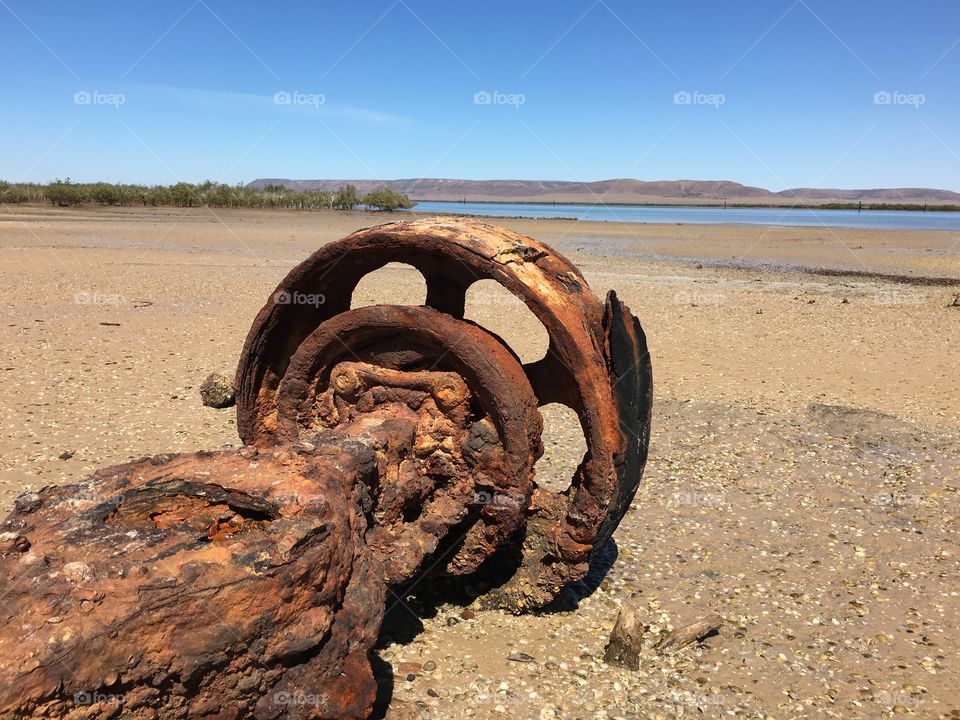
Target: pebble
<point>520,657</point>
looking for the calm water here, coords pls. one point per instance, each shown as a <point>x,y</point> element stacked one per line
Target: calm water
<point>880,219</point>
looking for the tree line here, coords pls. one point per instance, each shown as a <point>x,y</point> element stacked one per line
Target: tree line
<point>64,193</point>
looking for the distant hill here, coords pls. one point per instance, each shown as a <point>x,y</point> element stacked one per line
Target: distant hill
<point>671,192</point>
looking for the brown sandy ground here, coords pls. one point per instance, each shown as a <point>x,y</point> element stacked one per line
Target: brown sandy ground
<point>803,480</point>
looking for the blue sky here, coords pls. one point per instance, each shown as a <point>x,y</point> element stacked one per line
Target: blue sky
<point>778,93</point>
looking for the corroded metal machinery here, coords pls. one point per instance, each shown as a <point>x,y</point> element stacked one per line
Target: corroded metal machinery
<point>382,445</point>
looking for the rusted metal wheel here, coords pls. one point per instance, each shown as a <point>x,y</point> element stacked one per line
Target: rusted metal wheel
<point>597,364</point>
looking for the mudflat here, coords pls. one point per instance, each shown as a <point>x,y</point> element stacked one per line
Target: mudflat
<point>803,480</point>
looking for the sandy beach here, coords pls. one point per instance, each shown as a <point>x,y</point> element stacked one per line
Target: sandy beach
<point>802,483</point>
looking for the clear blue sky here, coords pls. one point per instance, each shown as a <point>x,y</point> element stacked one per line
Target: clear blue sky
<point>781,92</point>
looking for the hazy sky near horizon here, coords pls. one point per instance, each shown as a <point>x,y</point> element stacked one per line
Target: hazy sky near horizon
<point>774,93</point>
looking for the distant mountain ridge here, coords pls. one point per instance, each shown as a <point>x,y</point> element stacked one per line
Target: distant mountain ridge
<point>680,192</point>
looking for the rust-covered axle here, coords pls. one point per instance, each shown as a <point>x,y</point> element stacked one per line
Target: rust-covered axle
<point>382,444</point>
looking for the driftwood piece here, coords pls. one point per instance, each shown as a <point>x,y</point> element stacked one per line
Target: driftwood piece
<point>689,633</point>
<point>629,635</point>
<point>626,640</point>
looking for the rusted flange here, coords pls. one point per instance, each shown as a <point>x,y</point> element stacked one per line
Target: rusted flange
<point>484,438</point>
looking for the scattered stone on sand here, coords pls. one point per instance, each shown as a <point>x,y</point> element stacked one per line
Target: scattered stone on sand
<point>217,391</point>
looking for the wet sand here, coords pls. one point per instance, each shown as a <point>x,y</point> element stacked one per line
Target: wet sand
<point>803,480</point>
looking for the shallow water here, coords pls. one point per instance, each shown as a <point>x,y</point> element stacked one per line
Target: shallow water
<point>874,219</point>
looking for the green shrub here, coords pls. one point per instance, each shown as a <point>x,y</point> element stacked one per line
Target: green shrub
<point>387,199</point>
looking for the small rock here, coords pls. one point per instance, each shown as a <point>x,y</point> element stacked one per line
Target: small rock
<point>65,455</point>
<point>410,669</point>
<point>468,614</point>
<point>452,620</point>
<point>520,657</point>
<point>217,391</point>
<point>27,502</point>
<point>429,666</point>
<point>77,572</point>
<point>13,542</point>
